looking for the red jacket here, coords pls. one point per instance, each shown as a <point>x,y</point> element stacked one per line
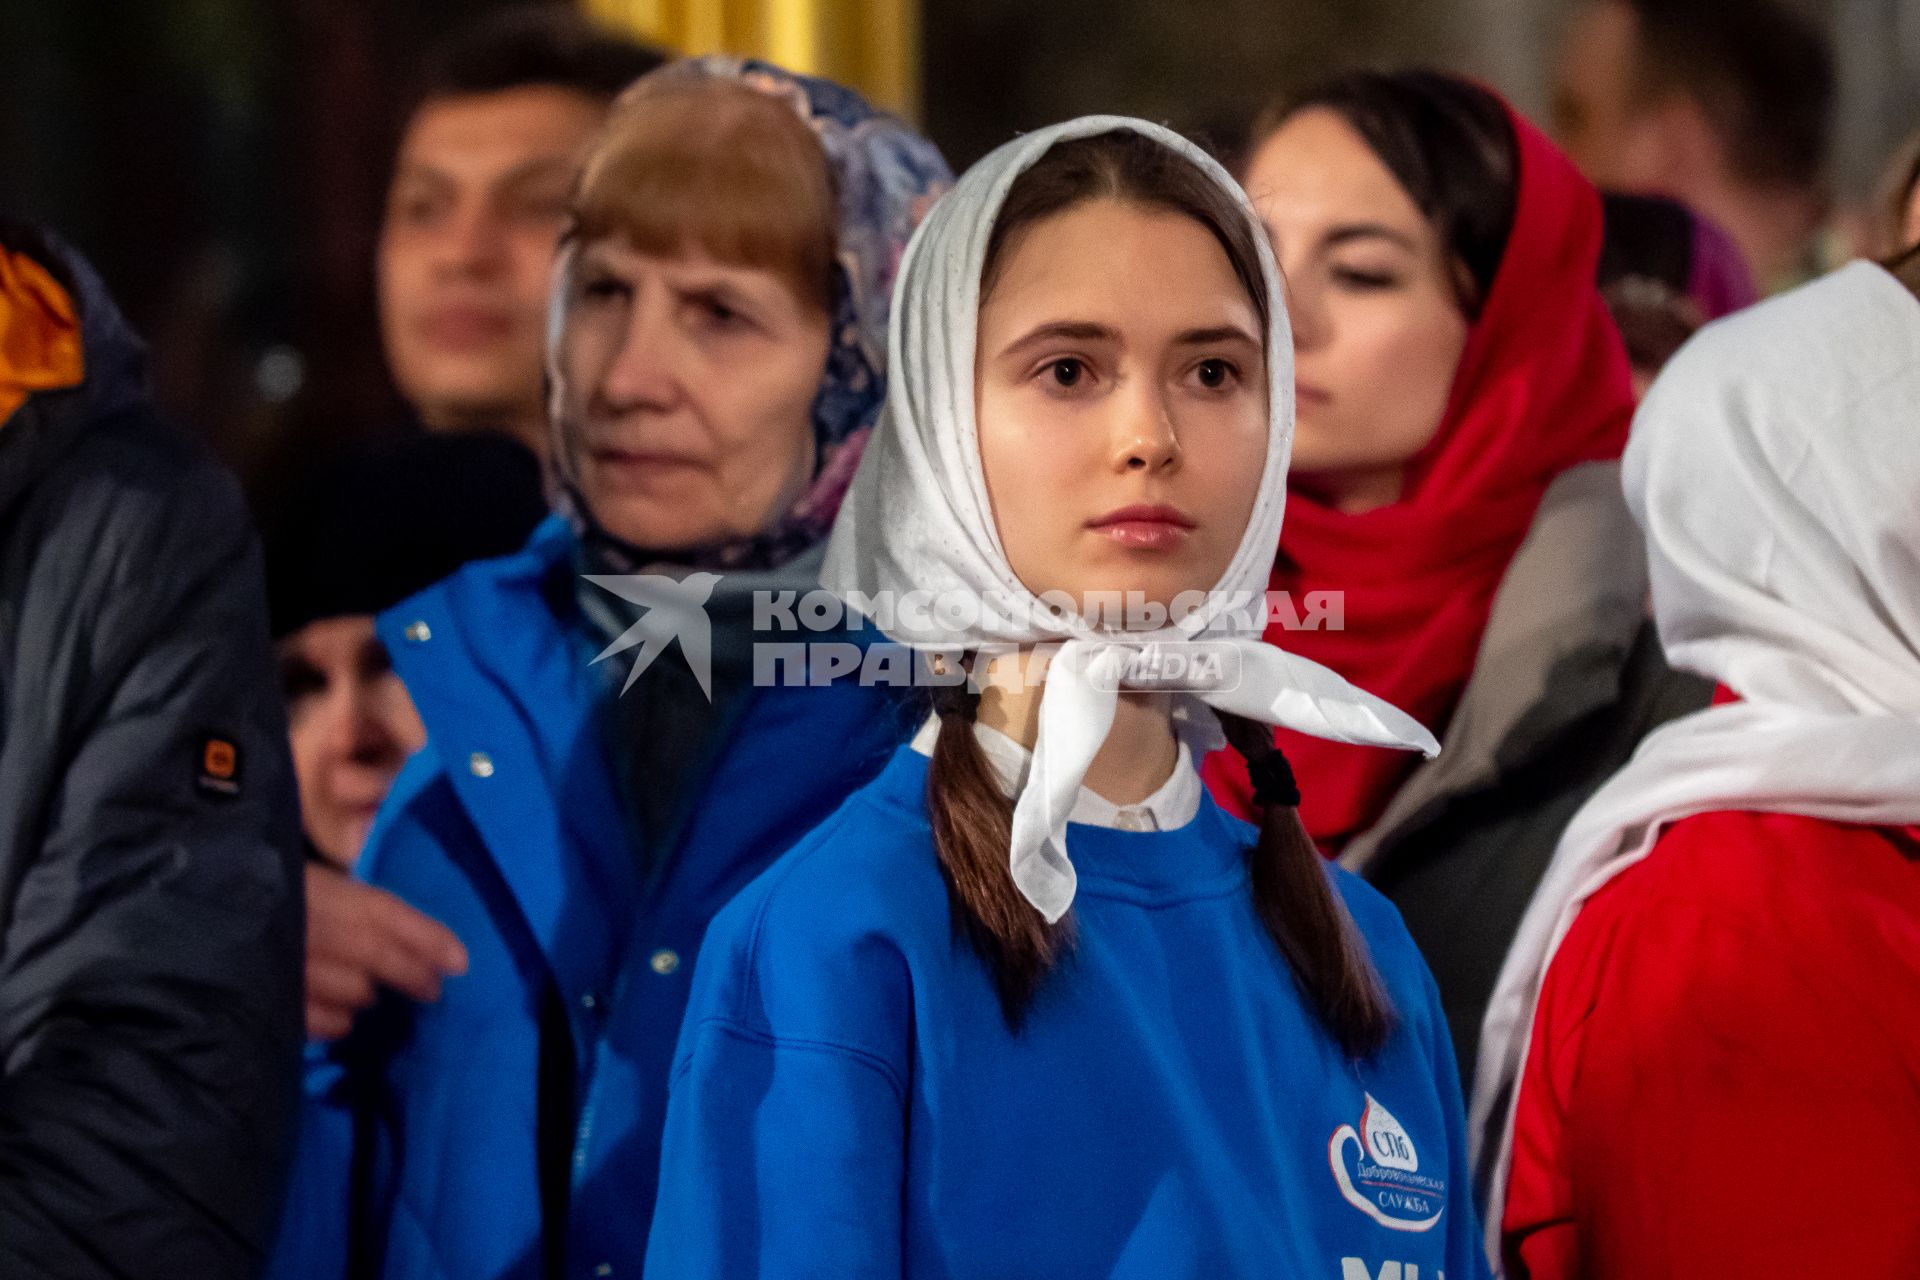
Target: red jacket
<point>1724,1076</point>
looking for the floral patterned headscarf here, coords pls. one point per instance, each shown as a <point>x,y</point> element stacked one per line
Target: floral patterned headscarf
<point>885,178</point>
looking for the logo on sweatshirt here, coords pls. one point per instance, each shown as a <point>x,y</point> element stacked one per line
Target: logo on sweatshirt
<point>1377,1169</point>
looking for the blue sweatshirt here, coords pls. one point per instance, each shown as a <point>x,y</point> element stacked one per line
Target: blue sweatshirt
<point>847,1100</point>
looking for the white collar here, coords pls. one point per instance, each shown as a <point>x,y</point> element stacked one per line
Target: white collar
<point>1171,807</point>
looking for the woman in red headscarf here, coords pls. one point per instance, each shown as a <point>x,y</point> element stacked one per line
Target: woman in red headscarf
<point>1463,399</point>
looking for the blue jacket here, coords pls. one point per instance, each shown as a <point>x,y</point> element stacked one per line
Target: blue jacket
<point>516,1122</point>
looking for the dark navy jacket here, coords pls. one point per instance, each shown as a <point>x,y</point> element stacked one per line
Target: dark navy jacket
<point>512,1129</point>
<point>150,923</point>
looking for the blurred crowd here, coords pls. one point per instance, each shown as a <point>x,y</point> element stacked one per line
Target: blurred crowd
<point>418,868</point>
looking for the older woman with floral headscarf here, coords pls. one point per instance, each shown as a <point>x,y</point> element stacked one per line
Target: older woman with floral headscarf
<point>717,358</point>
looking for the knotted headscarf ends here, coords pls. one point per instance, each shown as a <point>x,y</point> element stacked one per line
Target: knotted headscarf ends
<point>917,520</point>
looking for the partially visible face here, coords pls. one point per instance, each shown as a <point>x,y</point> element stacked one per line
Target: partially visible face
<point>689,394</point>
<point>1120,385</point>
<point>353,726</point>
<point>478,201</point>
<point>1377,322</point>
<point>1595,119</point>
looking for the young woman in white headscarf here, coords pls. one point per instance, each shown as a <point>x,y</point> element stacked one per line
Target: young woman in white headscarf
<point>1711,1016</point>
<point>1030,1003</point>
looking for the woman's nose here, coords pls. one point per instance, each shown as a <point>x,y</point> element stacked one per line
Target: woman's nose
<point>354,726</point>
<point>1146,439</point>
<point>1306,313</point>
<point>642,374</point>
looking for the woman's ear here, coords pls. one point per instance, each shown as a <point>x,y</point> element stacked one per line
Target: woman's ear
<point>1466,288</point>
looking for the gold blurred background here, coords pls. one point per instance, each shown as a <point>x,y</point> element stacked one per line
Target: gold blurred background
<point>872,45</point>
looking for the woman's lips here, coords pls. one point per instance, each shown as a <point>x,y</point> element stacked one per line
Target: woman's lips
<point>639,464</point>
<point>1148,528</point>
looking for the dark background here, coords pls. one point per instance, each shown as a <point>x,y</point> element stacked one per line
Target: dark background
<point>222,161</point>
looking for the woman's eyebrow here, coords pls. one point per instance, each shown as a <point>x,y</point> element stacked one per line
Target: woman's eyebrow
<point>1062,330</point>
<point>697,282</point>
<point>1348,232</point>
<point>1214,335</point>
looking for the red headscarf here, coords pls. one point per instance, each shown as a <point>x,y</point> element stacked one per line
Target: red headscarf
<point>1542,385</point>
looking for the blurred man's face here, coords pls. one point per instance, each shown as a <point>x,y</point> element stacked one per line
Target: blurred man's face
<point>478,201</point>
<point>1594,115</point>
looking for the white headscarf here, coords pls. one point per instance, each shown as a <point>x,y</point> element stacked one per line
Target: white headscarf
<point>918,519</point>
<point>1775,467</point>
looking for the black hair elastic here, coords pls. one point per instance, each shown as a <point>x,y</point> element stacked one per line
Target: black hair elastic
<point>961,699</point>
<point>1273,781</point>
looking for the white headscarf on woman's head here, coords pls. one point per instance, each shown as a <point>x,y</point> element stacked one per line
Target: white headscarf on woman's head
<point>1774,467</point>
<point>918,520</point>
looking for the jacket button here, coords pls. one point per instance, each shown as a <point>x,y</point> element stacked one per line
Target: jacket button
<point>587,1001</point>
<point>419,632</point>
<point>480,764</point>
<point>604,1269</point>
<point>665,961</point>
